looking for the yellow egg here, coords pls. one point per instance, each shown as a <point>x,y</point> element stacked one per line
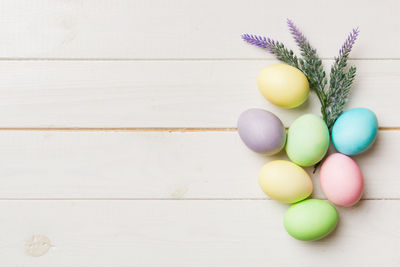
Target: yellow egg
<point>283,85</point>
<point>284,181</point>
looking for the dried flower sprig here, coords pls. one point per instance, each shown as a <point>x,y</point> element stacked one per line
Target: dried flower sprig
<point>340,80</point>
<point>334,98</point>
<point>273,47</point>
<point>311,65</point>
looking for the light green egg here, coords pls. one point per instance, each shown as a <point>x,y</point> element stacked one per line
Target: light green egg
<point>310,219</point>
<point>307,140</point>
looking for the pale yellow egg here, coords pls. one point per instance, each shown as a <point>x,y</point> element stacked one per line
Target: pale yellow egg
<point>283,85</point>
<point>284,181</point>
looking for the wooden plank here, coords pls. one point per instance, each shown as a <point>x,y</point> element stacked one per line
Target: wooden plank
<point>192,233</point>
<point>162,165</point>
<point>187,29</point>
<point>164,93</point>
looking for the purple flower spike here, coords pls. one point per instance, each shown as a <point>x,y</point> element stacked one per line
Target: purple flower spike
<point>262,42</point>
<point>297,35</point>
<point>348,44</point>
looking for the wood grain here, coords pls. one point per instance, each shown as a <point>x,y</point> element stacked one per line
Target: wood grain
<point>192,233</point>
<point>118,142</point>
<point>158,165</point>
<point>156,29</point>
<point>110,94</point>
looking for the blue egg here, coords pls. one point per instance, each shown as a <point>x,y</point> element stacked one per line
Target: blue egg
<point>355,131</point>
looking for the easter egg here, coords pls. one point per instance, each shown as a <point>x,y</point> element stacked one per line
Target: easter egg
<point>283,85</point>
<point>341,180</point>
<point>355,131</point>
<point>307,140</point>
<point>261,131</point>
<point>310,219</point>
<point>284,181</point>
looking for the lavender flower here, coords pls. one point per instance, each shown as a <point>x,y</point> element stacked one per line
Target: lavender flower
<point>348,44</point>
<point>311,65</point>
<point>296,33</point>
<point>341,80</point>
<point>300,39</point>
<point>333,97</point>
<point>274,47</point>
<point>262,42</point>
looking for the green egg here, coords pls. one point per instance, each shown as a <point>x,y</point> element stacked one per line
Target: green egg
<point>310,219</point>
<point>307,140</point>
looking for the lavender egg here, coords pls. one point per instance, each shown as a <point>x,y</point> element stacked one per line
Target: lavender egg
<point>261,131</point>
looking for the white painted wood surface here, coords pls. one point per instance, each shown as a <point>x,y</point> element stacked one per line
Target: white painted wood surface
<point>189,29</point>
<point>192,233</point>
<point>107,191</point>
<point>164,93</point>
<point>159,165</point>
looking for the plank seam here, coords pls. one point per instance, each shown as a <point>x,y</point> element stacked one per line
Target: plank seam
<point>165,199</point>
<point>176,59</point>
<point>66,129</point>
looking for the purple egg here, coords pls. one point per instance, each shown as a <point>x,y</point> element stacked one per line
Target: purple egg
<point>261,131</point>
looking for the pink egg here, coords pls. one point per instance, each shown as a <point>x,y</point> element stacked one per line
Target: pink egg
<point>341,180</point>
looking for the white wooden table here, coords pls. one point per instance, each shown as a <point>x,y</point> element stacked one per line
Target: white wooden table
<point>118,138</point>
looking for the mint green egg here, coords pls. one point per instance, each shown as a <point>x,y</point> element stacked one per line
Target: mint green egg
<point>307,140</point>
<point>310,219</point>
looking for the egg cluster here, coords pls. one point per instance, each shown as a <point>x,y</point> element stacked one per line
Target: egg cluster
<point>306,143</point>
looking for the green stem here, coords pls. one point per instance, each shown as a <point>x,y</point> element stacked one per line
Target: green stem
<point>322,99</point>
